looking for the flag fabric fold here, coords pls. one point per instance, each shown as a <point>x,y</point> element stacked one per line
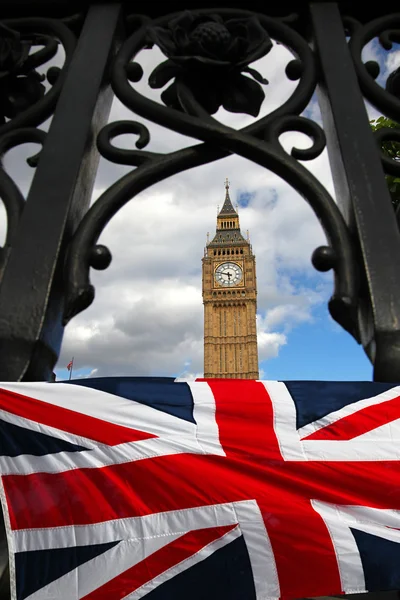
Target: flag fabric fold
<point>162,489</point>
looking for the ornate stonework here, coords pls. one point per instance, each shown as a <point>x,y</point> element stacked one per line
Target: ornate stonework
<point>230,300</point>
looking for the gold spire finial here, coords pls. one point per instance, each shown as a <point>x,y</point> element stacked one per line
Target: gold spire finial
<point>227,184</point>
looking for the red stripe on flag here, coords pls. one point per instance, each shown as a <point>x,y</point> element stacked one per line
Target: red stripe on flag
<point>157,563</point>
<point>360,422</point>
<point>69,420</point>
<point>245,420</point>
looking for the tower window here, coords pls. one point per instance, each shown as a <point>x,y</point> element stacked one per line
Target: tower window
<point>228,251</point>
<point>219,252</point>
<point>215,252</point>
<point>223,252</point>
<point>241,250</point>
<point>237,251</point>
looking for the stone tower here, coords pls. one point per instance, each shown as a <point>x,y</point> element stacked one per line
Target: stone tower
<point>230,300</point>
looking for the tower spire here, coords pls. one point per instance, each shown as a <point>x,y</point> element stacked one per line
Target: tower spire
<point>227,207</point>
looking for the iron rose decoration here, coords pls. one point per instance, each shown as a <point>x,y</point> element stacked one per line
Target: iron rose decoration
<point>20,85</point>
<point>210,55</point>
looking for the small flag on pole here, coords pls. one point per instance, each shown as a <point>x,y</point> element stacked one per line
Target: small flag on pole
<point>69,367</point>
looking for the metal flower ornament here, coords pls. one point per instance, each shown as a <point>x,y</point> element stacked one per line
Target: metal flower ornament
<point>211,56</point>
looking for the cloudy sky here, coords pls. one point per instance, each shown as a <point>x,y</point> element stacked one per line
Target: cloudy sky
<point>147,317</point>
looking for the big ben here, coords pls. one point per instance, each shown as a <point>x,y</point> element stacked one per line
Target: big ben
<point>230,300</point>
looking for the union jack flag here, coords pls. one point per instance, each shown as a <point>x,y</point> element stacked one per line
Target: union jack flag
<point>162,489</point>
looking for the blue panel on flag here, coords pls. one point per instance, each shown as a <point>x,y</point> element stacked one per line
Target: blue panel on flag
<point>161,393</point>
<point>224,574</point>
<point>38,568</point>
<point>316,399</point>
<point>15,440</point>
<point>380,560</point>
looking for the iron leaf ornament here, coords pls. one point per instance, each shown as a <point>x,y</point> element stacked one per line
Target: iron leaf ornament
<point>20,84</point>
<point>210,56</point>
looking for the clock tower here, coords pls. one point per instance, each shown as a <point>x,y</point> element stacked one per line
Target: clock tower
<point>230,300</point>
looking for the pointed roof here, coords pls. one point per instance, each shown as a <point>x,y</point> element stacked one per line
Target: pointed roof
<point>227,208</point>
<point>228,238</point>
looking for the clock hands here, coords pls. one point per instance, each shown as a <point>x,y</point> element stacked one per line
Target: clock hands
<point>228,275</point>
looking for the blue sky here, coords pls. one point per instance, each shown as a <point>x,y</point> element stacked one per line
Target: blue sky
<point>320,350</point>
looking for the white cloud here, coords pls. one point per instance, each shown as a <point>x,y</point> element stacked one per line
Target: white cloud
<point>269,344</point>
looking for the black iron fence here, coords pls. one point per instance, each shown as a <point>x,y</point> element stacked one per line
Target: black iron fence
<point>51,243</point>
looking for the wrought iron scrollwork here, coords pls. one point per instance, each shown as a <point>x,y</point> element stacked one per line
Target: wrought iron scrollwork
<point>24,102</point>
<point>387,99</point>
<point>204,41</point>
<point>23,98</point>
<point>387,29</point>
<point>9,191</point>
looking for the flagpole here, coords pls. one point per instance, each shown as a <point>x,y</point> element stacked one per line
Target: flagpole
<point>72,366</point>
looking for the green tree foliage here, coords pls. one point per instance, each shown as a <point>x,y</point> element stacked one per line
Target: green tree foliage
<point>392,150</point>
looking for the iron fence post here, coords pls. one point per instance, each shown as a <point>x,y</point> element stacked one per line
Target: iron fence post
<point>361,192</point>
<point>31,292</point>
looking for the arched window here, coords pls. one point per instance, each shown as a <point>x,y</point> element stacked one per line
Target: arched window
<point>241,250</point>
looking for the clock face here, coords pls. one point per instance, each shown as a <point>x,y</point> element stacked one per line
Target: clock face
<point>228,274</point>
